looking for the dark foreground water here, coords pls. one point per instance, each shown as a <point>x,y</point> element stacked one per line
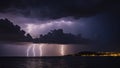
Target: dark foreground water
<point>60,62</point>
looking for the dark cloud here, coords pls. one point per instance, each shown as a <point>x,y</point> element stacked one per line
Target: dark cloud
<point>10,32</point>
<point>100,16</point>
<point>56,8</point>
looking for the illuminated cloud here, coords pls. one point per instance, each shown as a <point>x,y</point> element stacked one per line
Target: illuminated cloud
<point>36,29</point>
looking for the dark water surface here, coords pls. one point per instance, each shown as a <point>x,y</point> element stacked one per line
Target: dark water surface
<point>60,62</point>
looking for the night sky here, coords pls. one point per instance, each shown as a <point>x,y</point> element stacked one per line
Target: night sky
<point>94,19</point>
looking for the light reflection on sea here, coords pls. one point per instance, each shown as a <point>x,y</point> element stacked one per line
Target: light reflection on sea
<point>60,62</point>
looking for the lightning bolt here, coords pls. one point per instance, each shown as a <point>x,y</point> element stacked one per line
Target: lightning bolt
<point>33,49</point>
<point>40,48</point>
<point>62,50</point>
<point>28,49</point>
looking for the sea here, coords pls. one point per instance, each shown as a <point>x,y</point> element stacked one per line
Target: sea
<point>34,55</point>
<point>60,62</point>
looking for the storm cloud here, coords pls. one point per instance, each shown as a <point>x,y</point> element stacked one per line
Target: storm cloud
<point>91,18</point>
<point>53,9</point>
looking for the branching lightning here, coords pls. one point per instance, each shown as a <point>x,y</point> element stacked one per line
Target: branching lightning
<point>33,50</point>
<point>33,47</point>
<point>30,28</point>
<point>28,49</point>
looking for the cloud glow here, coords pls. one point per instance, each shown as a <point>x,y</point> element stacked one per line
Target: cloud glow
<point>33,29</point>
